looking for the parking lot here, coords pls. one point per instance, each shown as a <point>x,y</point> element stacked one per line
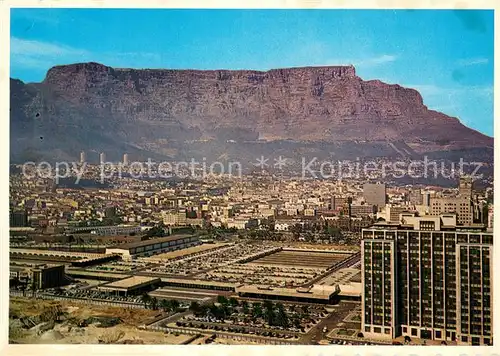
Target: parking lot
<point>274,276</point>
<point>191,266</point>
<point>276,269</point>
<point>320,260</point>
<point>267,319</point>
<point>120,266</point>
<point>78,291</point>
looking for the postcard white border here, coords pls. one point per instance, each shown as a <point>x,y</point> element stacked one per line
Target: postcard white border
<point>217,350</point>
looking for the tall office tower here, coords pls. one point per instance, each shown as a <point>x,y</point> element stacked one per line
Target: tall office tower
<point>416,197</point>
<point>83,157</point>
<point>465,187</point>
<point>426,279</point>
<point>374,194</point>
<point>102,157</point>
<point>426,199</point>
<point>461,204</point>
<point>337,202</point>
<point>125,159</point>
<point>474,300</point>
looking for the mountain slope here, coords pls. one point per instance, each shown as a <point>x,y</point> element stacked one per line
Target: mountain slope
<point>90,106</point>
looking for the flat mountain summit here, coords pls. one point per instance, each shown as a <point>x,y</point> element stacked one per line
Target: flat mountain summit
<point>167,113</point>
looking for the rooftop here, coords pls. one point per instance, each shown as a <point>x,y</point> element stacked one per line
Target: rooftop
<point>17,266</point>
<point>199,282</point>
<point>131,282</point>
<point>319,292</point>
<point>152,241</point>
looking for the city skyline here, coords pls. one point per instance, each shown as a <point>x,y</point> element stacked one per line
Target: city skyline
<point>454,72</point>
<point>269,180</point>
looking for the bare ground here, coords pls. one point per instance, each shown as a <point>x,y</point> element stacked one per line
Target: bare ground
<point>67,330</point>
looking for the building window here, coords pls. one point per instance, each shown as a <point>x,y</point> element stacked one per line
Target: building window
<point>438,334</point>
<point>377,330</point>
<point>465,339</point>
<point>403,329</point>
<point>367,329</point>
<point>413,332</point>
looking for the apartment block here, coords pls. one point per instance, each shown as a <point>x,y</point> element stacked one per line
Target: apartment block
<point>461,205</point>
<point>428,279</point>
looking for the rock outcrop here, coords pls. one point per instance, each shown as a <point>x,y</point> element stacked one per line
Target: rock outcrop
<point>92,106</point>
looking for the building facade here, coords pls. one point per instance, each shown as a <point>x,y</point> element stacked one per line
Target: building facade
<point>461,205</point>
<point>427,282</point>
<point>152,247</point>
<point>39,275</point>
<point>375,194</point>
<point>415,197</point>
<point>19,219</point>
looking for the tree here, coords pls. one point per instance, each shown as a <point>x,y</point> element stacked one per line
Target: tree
<point>257,310</point>
<point>194,307</point>
<point>244,306</point>
<point>218,313</point>
<point>296,229</point>
<point>146,299</point>
<point>222,300</point>
<point>334,231</point>
<point>165,305</point>
<point>155,231</point>
<point>233,302</point>
<point>204,310</point>
<point>270,317</point>
<point>224,312</point>
<point>14,282</point>
<point>154,303</point>
<point>282,318</point>
<point>24,286</point>
<point>213,309</point>
<point>33,288</point>
<point>268,305</point>
<point>174,304</point>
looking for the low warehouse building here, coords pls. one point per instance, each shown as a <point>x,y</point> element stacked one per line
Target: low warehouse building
<point>314,294</point>
<point>154,246</point>
<point>132,285</point>
<point>38,275</point>
<point>198,284</point>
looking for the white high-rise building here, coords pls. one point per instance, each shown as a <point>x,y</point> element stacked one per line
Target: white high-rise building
<point>125,159</point>
<point>102,157</point>
<point>83,157</point>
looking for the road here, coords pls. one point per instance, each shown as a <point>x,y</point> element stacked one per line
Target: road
<point>331,322</point>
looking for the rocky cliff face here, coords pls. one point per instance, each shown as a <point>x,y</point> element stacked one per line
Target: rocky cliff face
<point>92,106</point>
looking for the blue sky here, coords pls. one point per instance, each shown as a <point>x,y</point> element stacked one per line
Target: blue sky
<point>446,54</point>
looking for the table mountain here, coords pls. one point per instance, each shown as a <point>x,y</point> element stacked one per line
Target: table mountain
<point>170,113</point>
